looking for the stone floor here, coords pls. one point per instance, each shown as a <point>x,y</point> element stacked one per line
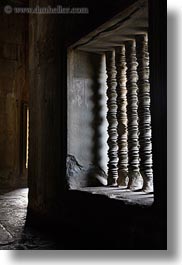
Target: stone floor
<point>13,210</point>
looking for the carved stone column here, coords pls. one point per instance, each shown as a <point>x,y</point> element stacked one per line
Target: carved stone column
<point>122,116</point>
<point>112,119</point>
<point>144,113</point>
<point>135,179</point>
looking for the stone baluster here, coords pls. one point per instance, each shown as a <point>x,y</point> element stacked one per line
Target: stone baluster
<point>122,115</point>
<point>112,119</point>
<point>144,113</point>
<point>135,179</point>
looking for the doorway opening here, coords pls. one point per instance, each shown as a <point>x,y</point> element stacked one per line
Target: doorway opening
<point>24,143</point>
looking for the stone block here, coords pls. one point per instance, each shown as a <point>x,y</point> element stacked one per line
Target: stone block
<point>84,176</point>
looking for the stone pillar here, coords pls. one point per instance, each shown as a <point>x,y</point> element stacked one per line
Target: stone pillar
<point>112,119</point>
<point>135,179</point>
<point>144,113</point>
<point>122,116</point>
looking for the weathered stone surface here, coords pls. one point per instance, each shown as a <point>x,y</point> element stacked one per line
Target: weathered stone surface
<point>122,116</point>
<point>86,108</point>
<point>132,110</point>
<point>13,92</point>
<point>47,138</point>
<point>13,235</point>
<point>81,223</point>
<point>5,236</point>
<point>112,118</point>
<point>144,113</point>
<point>83,176</point>
<point>127,196</point>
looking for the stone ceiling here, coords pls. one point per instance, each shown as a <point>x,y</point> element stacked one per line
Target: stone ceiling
<point>128,23</point>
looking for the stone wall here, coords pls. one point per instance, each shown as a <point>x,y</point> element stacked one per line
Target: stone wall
<point>45,162</point>
<point>87,108</point>
<point>13,92</point>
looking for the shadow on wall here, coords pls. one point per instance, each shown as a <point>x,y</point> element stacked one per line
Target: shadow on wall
<point>99,123</point>
<point>87,123</point>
